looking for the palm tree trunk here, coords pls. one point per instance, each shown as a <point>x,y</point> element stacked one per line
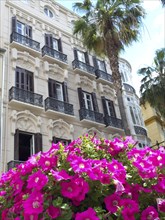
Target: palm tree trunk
<point>114,64</point>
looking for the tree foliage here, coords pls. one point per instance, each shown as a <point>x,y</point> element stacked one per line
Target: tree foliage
<point>152,87</point>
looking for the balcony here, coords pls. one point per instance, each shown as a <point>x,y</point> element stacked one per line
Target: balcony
<point>83,68</point>
<point>13,163</point>
<point>113,122</point>
<point>103,76</point>
<point>52,55</point>
<point>89,115</point>
<point>17,95</point>
<point>140,130</point>
<point>21,42</point>
<point>52,104</point>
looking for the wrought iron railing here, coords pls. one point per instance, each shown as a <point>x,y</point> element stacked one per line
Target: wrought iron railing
<point>140,130</point>
<point>54,53</point>
<point>13,163</point>
<point>25,96</point>
<point>112,121</point>
<point>91,115</point>
<point>103,75</point>
<point>24,41</point>
<point>60,106</point>
<point>83,66</point>
<point>128,88</point>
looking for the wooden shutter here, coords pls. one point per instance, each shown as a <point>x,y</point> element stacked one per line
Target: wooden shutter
<point>86,58</point>
<point>28,31</point>
<point>52,88</point>
<point>60,45</point>
<point>104,105</point>
<point>75,54</point>
<point>49,40</point>
<point>38,142</point>
<point>95,104</point>
<point>81,98</point>
<point>105,67</point>
<point>14,24</point>
<point>95,63</point>
<point>16,145</point>
<point>65,92</point>
<point>112,109</point>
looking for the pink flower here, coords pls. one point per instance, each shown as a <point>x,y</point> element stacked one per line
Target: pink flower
<point>80,165</point>
<point>149,213</point>
<point>47,162</point>
<point>34,204</point>
<point>112,202</point>
<point>53,212</point>
<point>161,204</point>
<point>60,175</point>
<point>37,180</point>
<point>89,214</point>
<point>69,189</point>
<point>130,207</point>
<point>30,216</point>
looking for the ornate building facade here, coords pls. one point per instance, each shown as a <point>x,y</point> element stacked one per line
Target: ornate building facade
<point>53,89</point>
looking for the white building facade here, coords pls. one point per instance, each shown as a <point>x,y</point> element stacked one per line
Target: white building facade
<point>53,89</point>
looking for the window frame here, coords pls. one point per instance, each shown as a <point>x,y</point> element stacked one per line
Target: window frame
<point>86,101</point>
<point>110,108</point>
<point>48,12</point>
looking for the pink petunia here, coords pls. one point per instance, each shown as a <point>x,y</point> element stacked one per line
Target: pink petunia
<point>34,204</point>
<point>53,212</point>
<point>149,213</point>
<point>89,214</point>
<point>161,204</point>
<point>112,202</point>
<point>47,162</point>
<point>37,180</point>
<point>69,189</point>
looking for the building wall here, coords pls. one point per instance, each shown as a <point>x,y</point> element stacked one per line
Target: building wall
<point>154,124</point>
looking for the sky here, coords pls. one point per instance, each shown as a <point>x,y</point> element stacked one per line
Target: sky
<point>141,53</point>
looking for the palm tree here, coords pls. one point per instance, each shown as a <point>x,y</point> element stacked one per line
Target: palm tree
<point>153,83</point>
<point>163,3</point>
<point>106,27</point>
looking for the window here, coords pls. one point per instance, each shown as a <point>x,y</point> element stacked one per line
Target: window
<point>88,101</point>
<point>101,65</point>
<point>48,12</point>
<point>53,43</point>
<point>26,144</point>
<point>64,141</point>
<point>24,29</point>
<point>81,56</point>
<point>136,115</point>
<point>58,90</point>
<point>110,108</point>
<point>24,79</point>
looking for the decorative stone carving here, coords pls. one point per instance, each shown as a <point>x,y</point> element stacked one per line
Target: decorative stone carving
<point>107,91</point>
<point>94,131</point>
<point>25,121</point>
<point>85,83</point>
<point>61,129</point>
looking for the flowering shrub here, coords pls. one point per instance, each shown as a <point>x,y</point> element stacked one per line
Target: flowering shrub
<point>90,179</point>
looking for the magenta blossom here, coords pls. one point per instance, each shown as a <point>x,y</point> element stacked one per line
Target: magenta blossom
<point>53,212</point>
<point>89,214</point>
<point>37,180</point>
<point>149,213</point>
<point>112,202</point>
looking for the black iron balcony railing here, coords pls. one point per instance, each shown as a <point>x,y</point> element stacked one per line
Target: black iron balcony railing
<point>13,163</point>
<point>54,53</point>
<point>103,75</point>
<point>25,96</point>
<point>113,122</point>
<point>140,130</point>
<point>60,106</point>
<point>24,41</point>
<point>83,66</point>
<point>128,88</point>
<point>91,115</point>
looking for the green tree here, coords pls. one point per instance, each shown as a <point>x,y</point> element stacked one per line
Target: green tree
<point>153,83</point>
<point>163,3</point>
<point>106,27</point>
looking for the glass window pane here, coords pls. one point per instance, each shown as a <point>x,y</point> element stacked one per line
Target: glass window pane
<point>101,65</point>
<point>55,44</point>
<point>81,56</point>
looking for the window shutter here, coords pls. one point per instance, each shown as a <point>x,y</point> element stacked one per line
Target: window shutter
<point>81,98</point>
<point>113,113</point>
<point>16,145</point>
<point>28,32</point>
<point>104,105</point>
<point>65,92</point>
<point>49,40</point>
<point>86,57</point>
<point>50,87</point>
<point>105,67</point>
<point>55,141</point>
<point>75,54</point>
<point>14,24</point>
<point>95,104</point>
<point>95,63</point>
<point>38,142</point>
<point>60,45</point>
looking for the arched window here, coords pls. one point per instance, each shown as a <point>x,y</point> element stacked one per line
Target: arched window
<point>48,12</point>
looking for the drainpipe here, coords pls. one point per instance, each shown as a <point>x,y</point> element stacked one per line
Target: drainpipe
<point>2,77</point>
